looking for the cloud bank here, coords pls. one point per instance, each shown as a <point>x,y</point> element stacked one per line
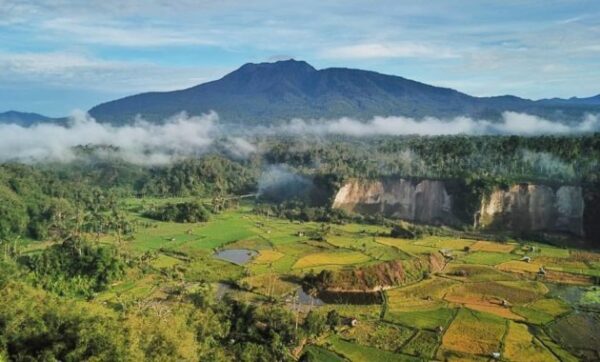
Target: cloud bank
<point>512,123</point>
<point>389,50</point>
<point>182,136</point>
<point>140,143</point>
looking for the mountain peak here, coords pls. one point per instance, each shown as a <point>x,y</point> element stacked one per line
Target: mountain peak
<point>275,78</point>
<point>271,92</point>
<point>280,65</point>
<point>290,69</point>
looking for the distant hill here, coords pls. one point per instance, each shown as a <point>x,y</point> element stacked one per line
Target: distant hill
<point>23,119</point>
<point>267,93</point>
<point>573,101</point>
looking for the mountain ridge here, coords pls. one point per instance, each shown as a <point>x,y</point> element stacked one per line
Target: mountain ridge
<point>267,93</point>
<point>270,93</point>
<point>25,119</point>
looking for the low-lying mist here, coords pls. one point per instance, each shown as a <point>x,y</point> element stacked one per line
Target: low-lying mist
<point>184,136</point>
<point>279,182</point>
<point>139,143</point>
<point>511,124</point>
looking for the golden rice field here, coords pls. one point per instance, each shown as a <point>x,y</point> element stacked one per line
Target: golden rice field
<point>520,345</point>
<point>331,258</point>
<point>492,247</point>
<point>267,256</point>
<point>474,333</point>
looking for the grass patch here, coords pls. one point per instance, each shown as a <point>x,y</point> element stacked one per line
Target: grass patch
<point>423,345</point>
<point>591,296</point>
<point>129,290</point>
<point>520,345</point>
<point>379,335</point>
<point>407,246</point>
<point>469,297</point>
<point>267,256</point>
<point>331,258</point>
<point>542,311</point>
<point>474,332</point>
<point>544,250</point>
<point>519,266</point>
<point>365,312</point>
<point>314,353</point>
<point>433,287</point>
<point>489,246</point>
<point>367,245</point>
<point>165,262</point>
<point>358,353</point>
<point>514,292</point>
<point>444,243</point>
<point>210,269</point>
<point>429,317</point>
<point>553,307</point>
<point>487,258</point>
<point>256,243</point>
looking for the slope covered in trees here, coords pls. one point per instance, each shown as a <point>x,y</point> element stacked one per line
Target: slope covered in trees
<point>268,93</point>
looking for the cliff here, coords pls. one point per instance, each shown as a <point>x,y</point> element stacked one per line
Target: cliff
<point>522,208</point>
<point>528,207</point>
<point>426,201</point>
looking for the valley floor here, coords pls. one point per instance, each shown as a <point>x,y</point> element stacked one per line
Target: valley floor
<point>518,301</point>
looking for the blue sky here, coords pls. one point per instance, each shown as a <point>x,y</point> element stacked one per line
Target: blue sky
<point>61,55</point>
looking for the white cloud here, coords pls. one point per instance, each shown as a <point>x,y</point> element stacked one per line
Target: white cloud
<point>52,63</point>
<point>511,123</point>
<point>182,136</point>
<point>116,33</point>
<point>75,70</point>
<point>140,143</point>
<point>388,50</point>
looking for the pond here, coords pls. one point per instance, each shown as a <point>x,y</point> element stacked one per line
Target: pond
<point>236,256</point>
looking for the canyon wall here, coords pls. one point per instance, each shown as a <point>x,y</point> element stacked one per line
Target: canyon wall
<point>521,208</point>
<point>425,201</point>
<point>528,207</point>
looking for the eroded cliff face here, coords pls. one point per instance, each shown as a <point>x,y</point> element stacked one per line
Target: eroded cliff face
<point>527,207</point>
<point>425,201</point>
<point>521,208</point>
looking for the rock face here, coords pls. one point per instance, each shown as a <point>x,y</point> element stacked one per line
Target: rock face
<point>527,207</point>
<point>426,201</point>
<point>522,208</point>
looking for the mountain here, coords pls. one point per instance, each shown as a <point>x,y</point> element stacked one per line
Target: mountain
<point>23,119</point>
<point>573,101</point>
<point>267,93</point>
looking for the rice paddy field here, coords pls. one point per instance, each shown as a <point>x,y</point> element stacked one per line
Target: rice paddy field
<point>512,301</point>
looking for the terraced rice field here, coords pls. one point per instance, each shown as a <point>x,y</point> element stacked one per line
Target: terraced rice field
<point>475,333</point>
<point>480,299</point>
<point>520,344</point>
<point>331,258</point>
